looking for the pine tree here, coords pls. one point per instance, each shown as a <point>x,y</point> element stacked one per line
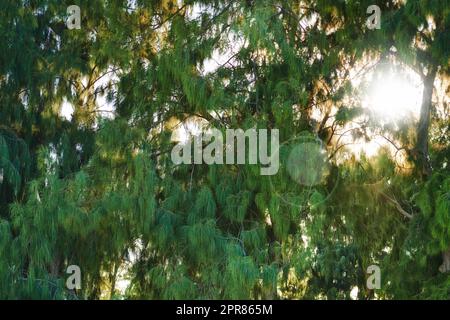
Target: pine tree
<point>98,188</point>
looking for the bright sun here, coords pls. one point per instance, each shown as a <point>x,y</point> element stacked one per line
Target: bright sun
<point>393,96</point>
<point>392,93</point>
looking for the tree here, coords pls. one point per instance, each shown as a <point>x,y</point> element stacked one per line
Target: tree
<point>97,188</point>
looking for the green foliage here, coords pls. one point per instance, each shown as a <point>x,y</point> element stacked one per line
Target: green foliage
<point>98,188</point>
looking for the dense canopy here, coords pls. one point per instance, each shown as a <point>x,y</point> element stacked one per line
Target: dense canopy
<point>89,116</point>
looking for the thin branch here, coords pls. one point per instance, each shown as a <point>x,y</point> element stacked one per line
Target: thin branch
<point>396,204</point>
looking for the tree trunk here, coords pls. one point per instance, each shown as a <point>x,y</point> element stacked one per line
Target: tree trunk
<point>422,158</point>
<point>113,278</point>
<point>445,266</point>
